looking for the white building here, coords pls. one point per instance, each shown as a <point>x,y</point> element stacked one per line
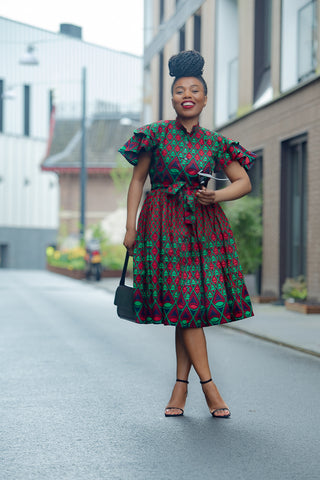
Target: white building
<point>29,198</point>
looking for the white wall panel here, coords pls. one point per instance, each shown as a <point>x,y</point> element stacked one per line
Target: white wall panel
<point>114,78</point>
<point>28,196</point>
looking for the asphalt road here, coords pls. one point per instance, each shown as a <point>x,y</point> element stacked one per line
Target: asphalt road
<point>83,395</point>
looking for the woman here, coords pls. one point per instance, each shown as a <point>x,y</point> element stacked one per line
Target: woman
<point>186,268</point>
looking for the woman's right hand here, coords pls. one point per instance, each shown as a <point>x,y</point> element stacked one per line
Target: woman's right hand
<point>130,240</point>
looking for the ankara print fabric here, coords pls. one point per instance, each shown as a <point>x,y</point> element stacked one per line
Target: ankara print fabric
<point>186,266</point>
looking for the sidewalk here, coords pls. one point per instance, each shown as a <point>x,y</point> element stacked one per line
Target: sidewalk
<point>272,323</point>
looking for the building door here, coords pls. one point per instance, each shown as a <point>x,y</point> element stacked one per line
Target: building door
<point>293,229</point>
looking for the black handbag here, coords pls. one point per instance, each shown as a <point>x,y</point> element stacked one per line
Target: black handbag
<point>123,298</point>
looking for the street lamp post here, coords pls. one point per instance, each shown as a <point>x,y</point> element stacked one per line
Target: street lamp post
<point>30,59</point>
<point>83,174</point>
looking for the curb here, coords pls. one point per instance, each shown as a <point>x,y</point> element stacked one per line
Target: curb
<point>110,289</point>
<point>275,341</point>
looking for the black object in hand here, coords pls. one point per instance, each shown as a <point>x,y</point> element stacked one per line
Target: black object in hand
<point>203,178</point>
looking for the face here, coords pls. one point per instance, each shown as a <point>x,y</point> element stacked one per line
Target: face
<point>188,98</point>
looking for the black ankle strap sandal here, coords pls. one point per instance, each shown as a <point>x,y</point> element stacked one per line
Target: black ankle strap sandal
<point>205,381</point>
<point>176,408</point>
<point>213,413</point>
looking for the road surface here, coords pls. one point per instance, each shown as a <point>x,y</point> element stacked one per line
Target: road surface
<point>83,395</point>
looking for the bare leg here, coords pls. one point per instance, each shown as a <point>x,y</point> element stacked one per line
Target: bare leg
<point>196,346</point>
<point>179,393</point>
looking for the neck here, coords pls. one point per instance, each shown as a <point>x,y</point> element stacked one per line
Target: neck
<point>189,123</point>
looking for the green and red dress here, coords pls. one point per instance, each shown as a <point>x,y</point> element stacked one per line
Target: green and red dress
<point>186,266</point>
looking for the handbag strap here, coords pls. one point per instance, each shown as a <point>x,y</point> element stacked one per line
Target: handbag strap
<point>124,270</point>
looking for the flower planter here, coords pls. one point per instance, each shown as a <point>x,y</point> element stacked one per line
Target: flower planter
<point>302,307</point>
<point>80,274</point>
<point>77,274</point>
<point>263,298</point>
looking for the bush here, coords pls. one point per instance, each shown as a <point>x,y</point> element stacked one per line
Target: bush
<point>112,255</point>
<point>72,259</point>
<point>295,288</point>
<point>245,219</point>
<point>112,258</point>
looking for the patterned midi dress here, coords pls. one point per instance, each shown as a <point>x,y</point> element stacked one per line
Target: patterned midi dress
<point>186,266</point>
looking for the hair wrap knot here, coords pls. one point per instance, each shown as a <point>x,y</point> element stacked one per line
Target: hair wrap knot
<point>186,64</point>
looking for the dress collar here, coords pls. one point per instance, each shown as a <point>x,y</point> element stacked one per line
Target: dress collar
<point>182,127</point>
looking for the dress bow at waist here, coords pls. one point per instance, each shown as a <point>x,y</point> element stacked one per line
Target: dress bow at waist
<point>186,193</point>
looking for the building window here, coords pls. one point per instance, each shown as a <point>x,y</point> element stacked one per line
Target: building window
<point>1,104</point>
<point>293,229</point>
<point>298,41</point>
<point>307,39</point>
<point>256,175</point>
<point>161,86</point>
<point>232,96</point>
<point>226,61</point>
<point>262,51</point>
<point>4,250</point>
<point>161,11</point>
<point>197,32</point>
<point>182,38</point>
<point>147,103</point>
<point>50,103</point>
<point>26,127</point>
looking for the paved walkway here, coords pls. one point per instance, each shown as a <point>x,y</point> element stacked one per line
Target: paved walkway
<point>277,324</point>
<point>273,323</point>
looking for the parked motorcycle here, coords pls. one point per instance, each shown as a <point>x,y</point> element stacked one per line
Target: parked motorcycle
<point>93,260</point>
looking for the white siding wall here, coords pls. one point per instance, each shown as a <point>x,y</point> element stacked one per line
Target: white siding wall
<point>112,77</point>
<point>28,196</point>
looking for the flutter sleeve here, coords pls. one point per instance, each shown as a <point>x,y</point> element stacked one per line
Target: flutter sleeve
<point>143,139</point>
<point>231,151</point>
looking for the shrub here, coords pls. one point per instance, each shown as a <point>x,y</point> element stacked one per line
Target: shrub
<point>72,259</point>
<point>295,288</point>
<point>113,258</point>
<point>245,219</point>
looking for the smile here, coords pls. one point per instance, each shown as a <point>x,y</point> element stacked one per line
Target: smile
<point>187,104</point>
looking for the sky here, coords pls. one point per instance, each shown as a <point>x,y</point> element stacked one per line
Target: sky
<point>116,24</point>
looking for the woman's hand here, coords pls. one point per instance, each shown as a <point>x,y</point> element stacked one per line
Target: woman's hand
<point>205,196</point>
<point>130,240</point>
<point>240,186</point>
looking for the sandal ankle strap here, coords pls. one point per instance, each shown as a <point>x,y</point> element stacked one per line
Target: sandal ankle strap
<point>183,381</point>
<point>205,381</point>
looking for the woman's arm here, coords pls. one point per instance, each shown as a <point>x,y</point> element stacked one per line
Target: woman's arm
<point>240,186</point>
<point>140,173</point>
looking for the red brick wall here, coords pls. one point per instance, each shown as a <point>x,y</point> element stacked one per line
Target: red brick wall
<point>265,128</point>
<point>101,198</point>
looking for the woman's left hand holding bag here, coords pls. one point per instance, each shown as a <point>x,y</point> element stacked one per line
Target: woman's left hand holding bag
<point>129,240</point>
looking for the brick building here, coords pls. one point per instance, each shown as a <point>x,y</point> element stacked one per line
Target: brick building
<point>263,74</point>
<point>105,134</point>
